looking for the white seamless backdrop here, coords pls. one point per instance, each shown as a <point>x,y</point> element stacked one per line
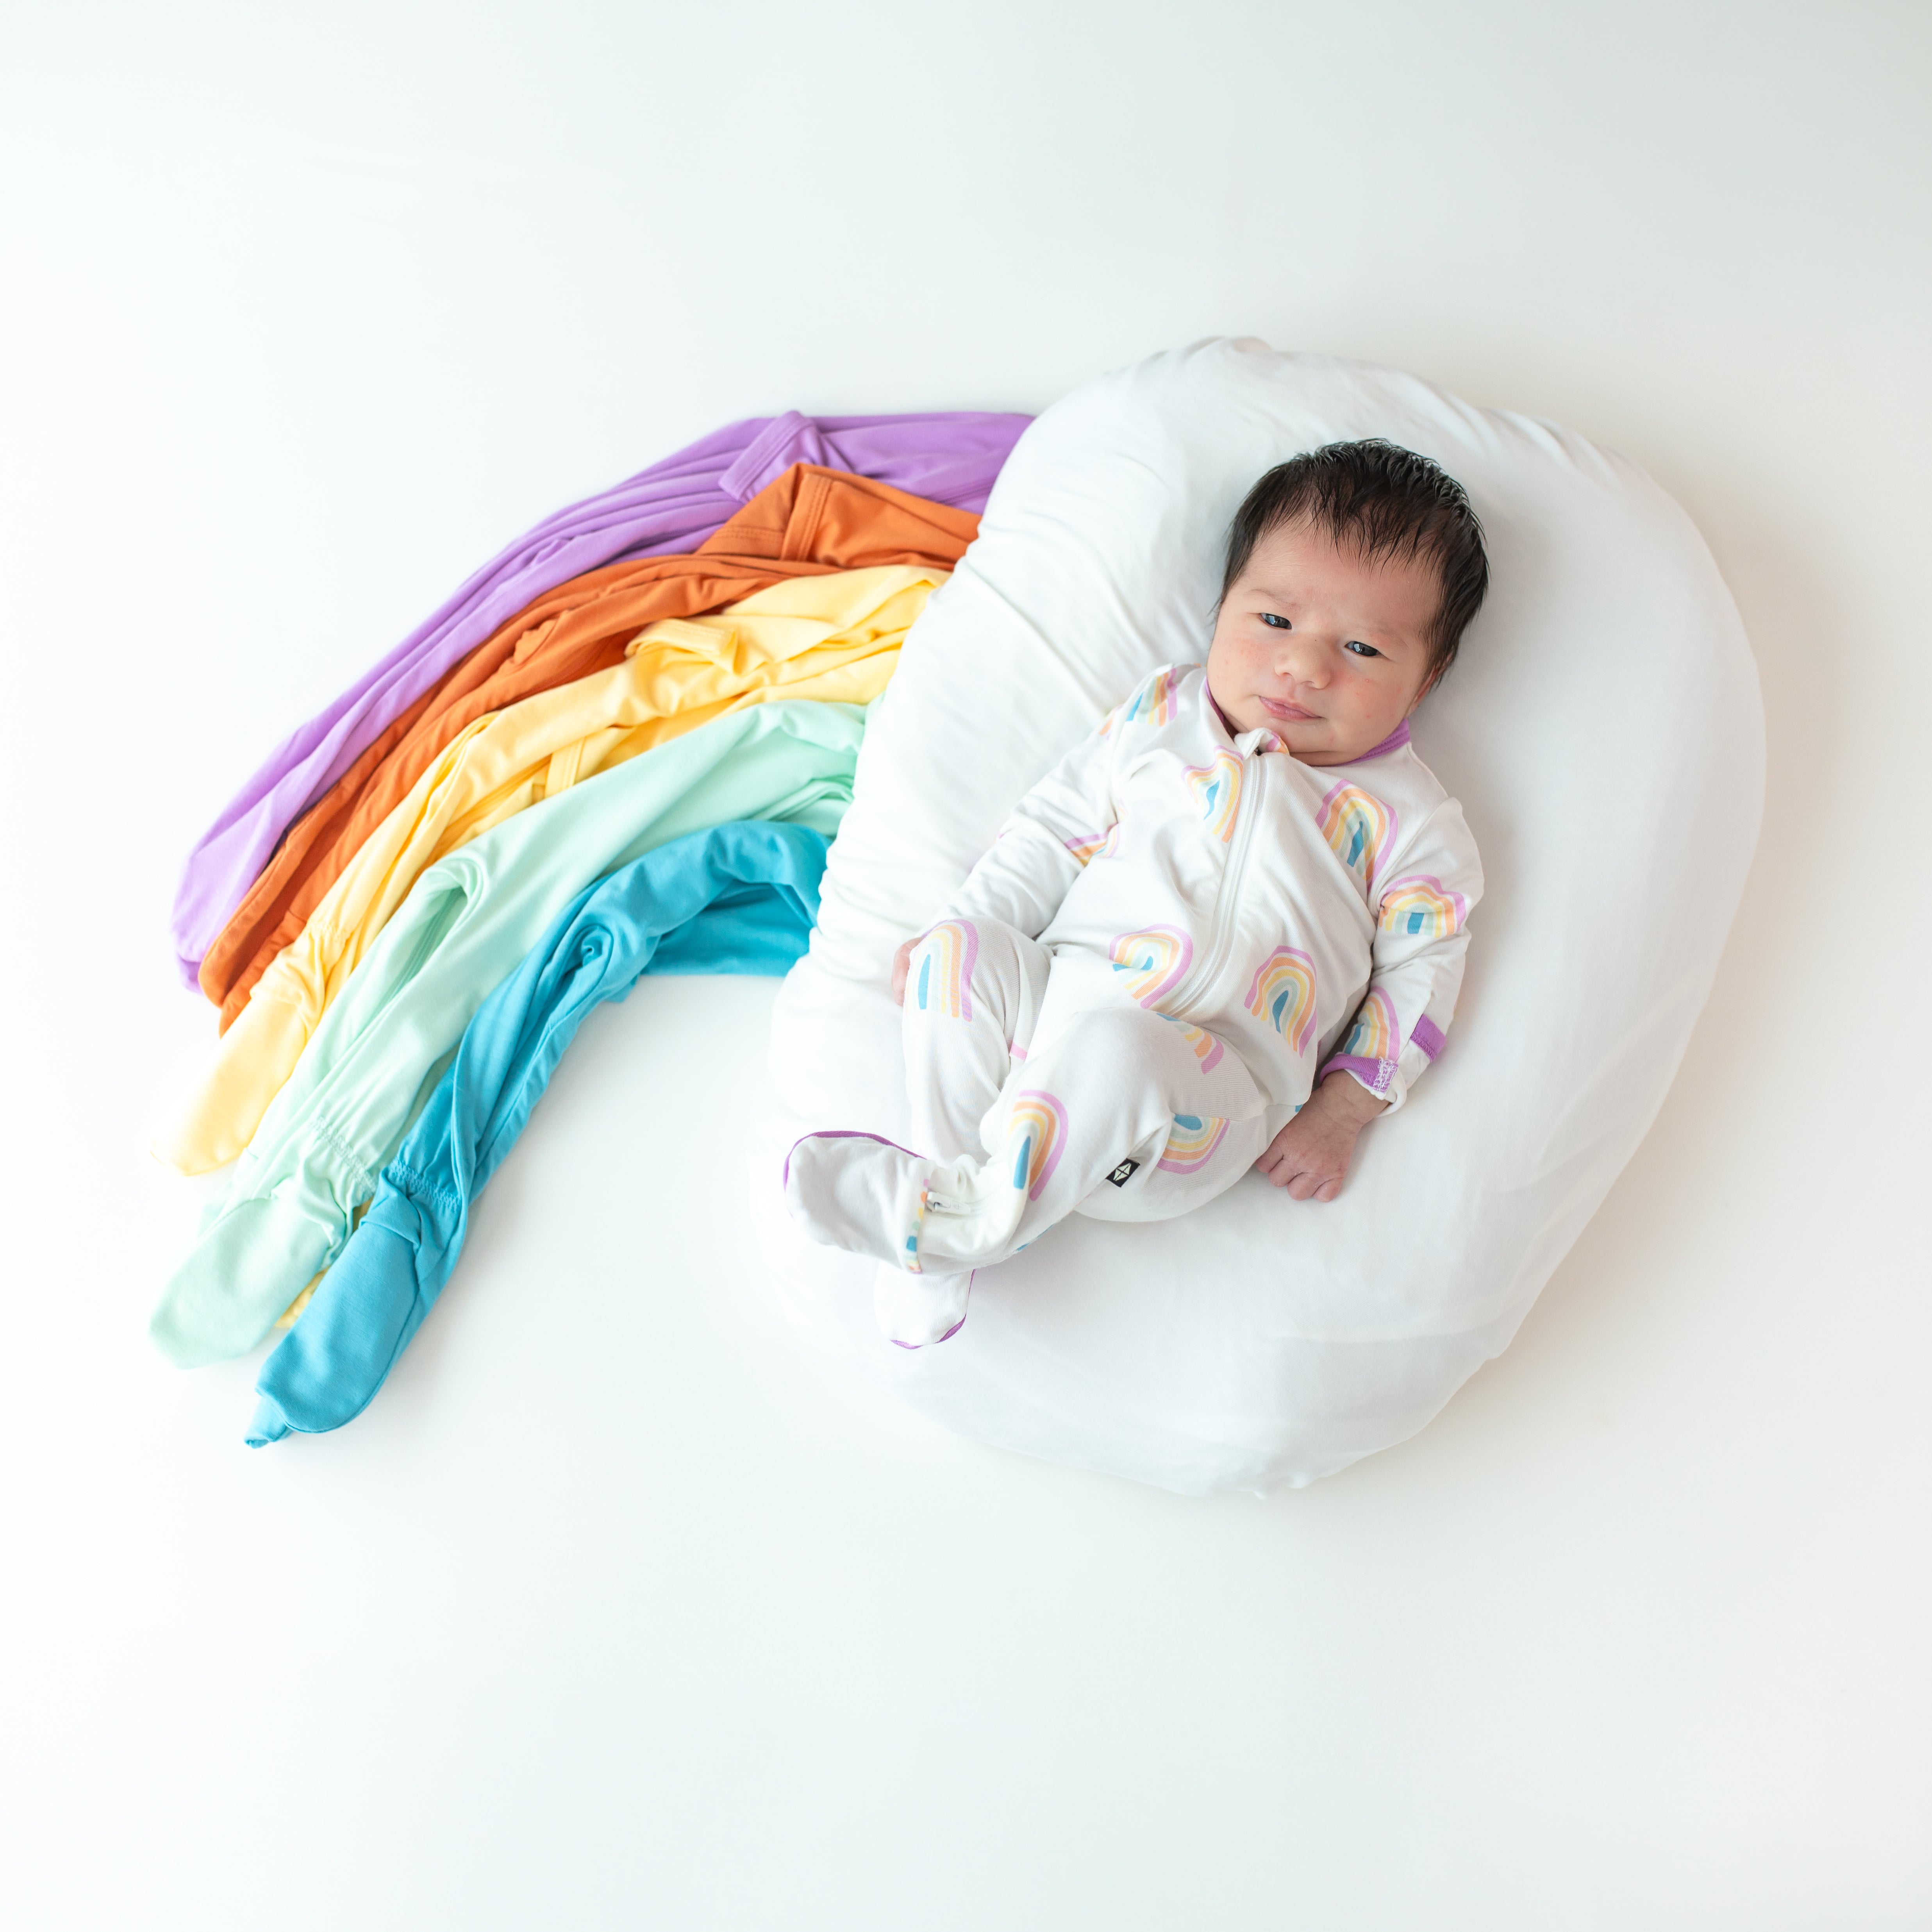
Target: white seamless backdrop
<point>620,1607</point>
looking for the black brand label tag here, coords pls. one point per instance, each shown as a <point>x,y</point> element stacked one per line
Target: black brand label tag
<point>1124,1173</point>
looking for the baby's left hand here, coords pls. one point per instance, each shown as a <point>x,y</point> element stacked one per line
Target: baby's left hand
<point>1310,1156</point>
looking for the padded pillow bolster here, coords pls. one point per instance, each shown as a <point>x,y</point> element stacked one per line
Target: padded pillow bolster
<point>1604,732</point>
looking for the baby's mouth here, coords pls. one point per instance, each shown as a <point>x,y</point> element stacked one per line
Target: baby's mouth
<point>1289,714</point>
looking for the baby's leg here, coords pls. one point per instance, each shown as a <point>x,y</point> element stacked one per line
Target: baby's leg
<point>973,998</point>
<point>972,995</point>
<point>1119,1113</point>
<point>1136,1116</point>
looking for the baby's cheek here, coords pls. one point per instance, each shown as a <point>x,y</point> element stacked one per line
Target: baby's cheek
<point>1219,654</point>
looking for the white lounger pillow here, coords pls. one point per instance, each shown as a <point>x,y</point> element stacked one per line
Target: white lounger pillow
<point>1604,732</point>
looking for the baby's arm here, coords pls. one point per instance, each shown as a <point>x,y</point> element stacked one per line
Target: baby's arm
<point>1052,835</point>
<point>1421,939</point>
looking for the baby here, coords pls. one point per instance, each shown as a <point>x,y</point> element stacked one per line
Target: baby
<point>1226,931</point>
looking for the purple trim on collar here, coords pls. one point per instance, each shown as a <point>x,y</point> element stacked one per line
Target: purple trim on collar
<point>1394,741</point>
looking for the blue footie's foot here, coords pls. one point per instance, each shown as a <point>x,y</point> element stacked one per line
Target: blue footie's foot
<point>270,1424</point>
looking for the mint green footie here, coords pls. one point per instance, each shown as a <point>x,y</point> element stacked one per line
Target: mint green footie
<point>383,1045</point>
<point>739,898</point>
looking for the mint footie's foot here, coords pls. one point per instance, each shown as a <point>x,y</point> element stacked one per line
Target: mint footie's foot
<point>915,1311</point>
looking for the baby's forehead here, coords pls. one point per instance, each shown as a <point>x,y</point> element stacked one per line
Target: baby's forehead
<point>1310,562</point>
<point>1303,540</point>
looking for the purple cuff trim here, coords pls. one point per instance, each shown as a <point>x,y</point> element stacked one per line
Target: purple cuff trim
<point>1427,1036</point>
<point>838,1134</point>
<point>935,1343</point>
<point>1374,1074</point>
<point>1394,741</point>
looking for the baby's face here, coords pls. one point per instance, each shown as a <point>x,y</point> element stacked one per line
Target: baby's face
<point>1327,651</point>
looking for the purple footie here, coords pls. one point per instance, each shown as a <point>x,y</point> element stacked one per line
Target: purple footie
<point>672,506</point>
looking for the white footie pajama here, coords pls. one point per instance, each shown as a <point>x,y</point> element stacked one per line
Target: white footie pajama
<point>1178,931</point>
<point>1040,1095</point>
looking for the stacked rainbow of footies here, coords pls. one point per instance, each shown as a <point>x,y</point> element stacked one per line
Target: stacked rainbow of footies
<point>620,748</point>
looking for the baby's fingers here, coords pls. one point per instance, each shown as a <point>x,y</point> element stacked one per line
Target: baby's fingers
<point>1279,1168</point>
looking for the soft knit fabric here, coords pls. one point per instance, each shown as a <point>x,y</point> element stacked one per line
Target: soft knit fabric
<point>673,506</point>
<point>806,523</point>
<point>1276,910</point>
<point>832,638</point>
<point>1133,990</point>
<point>1034,1094</point>
<point>738,899</point>
<point>470,920</point>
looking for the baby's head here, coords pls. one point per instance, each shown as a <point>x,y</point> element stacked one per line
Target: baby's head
<point>1352,573</point>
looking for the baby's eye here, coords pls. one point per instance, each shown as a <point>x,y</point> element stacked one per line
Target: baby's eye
<point>1275,622</point>
<point>1361,649</point>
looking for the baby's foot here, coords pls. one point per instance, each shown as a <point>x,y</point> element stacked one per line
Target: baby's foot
<point>869,1196</point>
<point>857,1191</point>
<point>913,1311</point>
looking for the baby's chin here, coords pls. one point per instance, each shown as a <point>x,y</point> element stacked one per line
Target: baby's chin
<point>1318,742</point>
<point>1310,740</point>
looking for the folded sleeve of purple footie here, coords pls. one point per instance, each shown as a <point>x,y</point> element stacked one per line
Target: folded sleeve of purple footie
<point>740,897</point>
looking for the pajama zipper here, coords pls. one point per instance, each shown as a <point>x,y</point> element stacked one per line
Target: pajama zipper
<point>1207,966</point>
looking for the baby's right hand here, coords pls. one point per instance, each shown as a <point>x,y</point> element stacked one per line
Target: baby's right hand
<point>902,966</point>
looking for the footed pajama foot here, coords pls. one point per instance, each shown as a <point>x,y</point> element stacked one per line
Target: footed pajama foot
<point>913,1311</point>
<point>859,1193</point>
<point>867,1195</point>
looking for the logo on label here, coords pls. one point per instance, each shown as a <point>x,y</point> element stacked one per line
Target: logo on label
<point>1124,1173</point>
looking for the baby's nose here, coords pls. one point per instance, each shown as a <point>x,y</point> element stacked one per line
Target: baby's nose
<point>1302,660</point>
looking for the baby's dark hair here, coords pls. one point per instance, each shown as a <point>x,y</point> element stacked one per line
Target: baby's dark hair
<point>1379,500</point>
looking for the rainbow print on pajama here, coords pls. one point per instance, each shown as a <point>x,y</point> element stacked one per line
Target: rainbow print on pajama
<point>1422,907</point>
<point>1216,787</point>
<point>1154,961</point>
<point>1359,829</point>
<point>909,1260</point>
<point>1283,993</point>
<point>1373,1034</point>
<point>1036,1131</point>
<point>1088,846</point>
<point>945,984</point>
<point>1153,704</point>
<point>1206,1048</point>
<point>1191,1143</point>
